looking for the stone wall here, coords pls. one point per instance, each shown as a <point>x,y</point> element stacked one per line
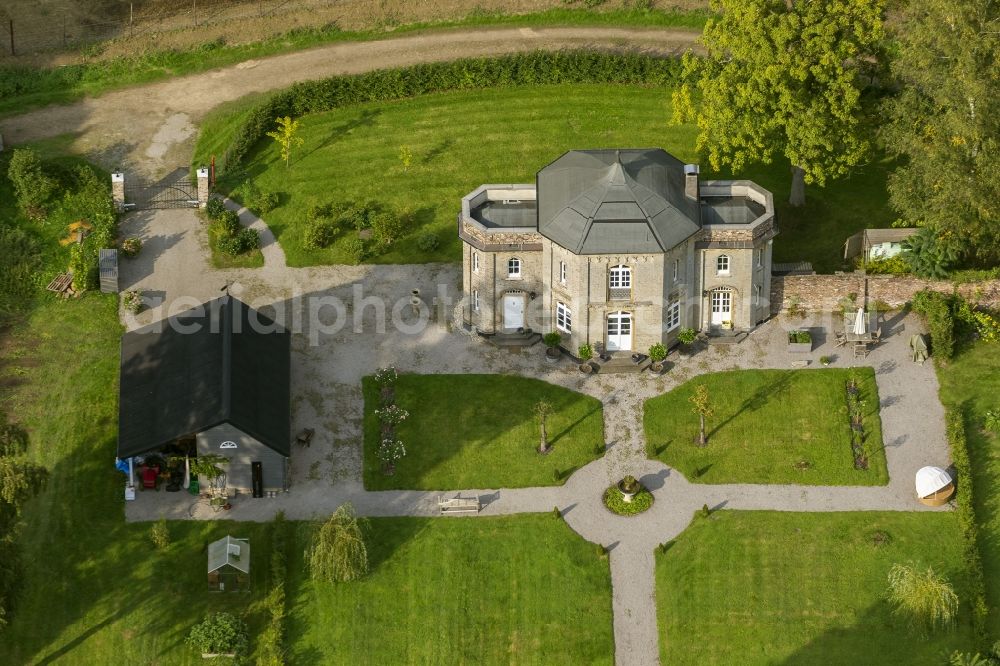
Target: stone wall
<point>822,293</point>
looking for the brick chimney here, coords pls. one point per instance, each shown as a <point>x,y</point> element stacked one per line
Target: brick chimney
<point>691,181</point>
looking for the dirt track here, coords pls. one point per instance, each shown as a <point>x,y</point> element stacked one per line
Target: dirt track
<point>151,129</point>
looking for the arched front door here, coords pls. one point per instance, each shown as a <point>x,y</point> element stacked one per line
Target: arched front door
<point>722,306</point>
<point>619,331</point>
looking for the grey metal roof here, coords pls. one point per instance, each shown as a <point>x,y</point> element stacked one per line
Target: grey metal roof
<point>222,362</point>
<point>229,551</point>
<point>603,201</point>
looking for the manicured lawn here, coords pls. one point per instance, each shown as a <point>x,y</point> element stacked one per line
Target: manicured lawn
<point>765,423</point>
<point>505,590</point>
<point>460,140</point>
<point>762,588</point>
<point>970,381</point>
<point>480,431</point>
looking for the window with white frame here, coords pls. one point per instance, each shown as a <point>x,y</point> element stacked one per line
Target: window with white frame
<point>475,300</point>
<point>722,265</point>
<point>514,268</point>
<point>619,283</point>
<point>677,270</point>
<point>673,315</point>
<point>562,272</point>
<point>475,262</point>
<point>564,318</point>
<point>759,257</point>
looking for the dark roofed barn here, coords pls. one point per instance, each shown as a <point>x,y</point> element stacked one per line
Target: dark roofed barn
<point>219,373</point>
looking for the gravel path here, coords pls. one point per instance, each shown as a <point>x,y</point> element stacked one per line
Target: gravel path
<point>328,363</point>
<point>150,129</point>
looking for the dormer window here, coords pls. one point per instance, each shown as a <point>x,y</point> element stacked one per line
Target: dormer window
<point>513,268</point>
<point>475,262</point>
<point>562,272</point>
<point>722,265</point>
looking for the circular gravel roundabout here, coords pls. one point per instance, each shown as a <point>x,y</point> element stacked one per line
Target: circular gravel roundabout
<point>614,502</point>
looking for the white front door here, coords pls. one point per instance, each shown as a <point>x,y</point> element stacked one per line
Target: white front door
<point>513,311</point>
<point>722,307</point>
<point>619,331</point>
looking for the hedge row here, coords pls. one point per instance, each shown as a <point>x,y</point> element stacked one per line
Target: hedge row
<point>271,646</point>
<point>938,309</point>
<point>535,68</point>
<point>955,427</point>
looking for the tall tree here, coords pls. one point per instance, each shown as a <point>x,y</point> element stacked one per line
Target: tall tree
<point>542,410</point>
<point>946,121</point>
<point>781,77</point>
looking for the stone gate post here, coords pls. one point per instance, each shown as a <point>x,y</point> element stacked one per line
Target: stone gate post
<point>202,187</point>
<point>118,190</point>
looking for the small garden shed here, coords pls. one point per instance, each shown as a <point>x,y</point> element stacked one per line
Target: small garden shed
<point>229,565</point>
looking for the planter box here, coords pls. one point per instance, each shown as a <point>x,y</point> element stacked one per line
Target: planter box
<point>800,347</point>
<point>213,655</point>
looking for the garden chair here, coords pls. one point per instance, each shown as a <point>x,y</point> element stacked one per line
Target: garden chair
<point>860,350</point>
<point>877,335</point>
<point>150,476</point>
<point>841,338</point>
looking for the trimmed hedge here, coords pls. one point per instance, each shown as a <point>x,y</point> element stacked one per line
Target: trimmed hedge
<point>535,68</point>
<point>955,428</point>
<point>938,310</point>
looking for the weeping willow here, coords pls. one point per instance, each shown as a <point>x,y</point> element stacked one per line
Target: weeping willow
<point>338,553</point>
<point>922,595</point>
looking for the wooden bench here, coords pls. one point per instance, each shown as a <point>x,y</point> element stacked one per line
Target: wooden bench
<point>304,438</point>
<point>459,505</point>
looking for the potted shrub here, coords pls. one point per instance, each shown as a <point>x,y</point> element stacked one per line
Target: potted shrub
<point>552,351</point>
<point>629,487</point>
<point>131,246</point>
<point>687,336</point>
<point>799,342</point>
<point>132,300</point>
<point>221,634</point>
<point>825,360</point>
<point>586,352</point>
<point>656,354</point>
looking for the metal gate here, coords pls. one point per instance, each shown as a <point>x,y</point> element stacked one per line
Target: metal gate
<point>176,190</point>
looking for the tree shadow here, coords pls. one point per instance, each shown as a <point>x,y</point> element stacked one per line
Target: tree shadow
<point>365,119</point>
<point>437,150</point>
<point>757,400</point>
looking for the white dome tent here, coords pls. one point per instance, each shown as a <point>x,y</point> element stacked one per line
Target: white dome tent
<point>934,486</point>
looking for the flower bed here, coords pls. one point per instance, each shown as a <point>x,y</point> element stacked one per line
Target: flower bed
<point>615,503</point>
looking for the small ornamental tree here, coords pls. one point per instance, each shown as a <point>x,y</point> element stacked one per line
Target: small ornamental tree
<point>657,353</point>
<point>551,340</point>
<point>927,599</point>
<point>286,136</point>
<point>386,376</point>
<point>542,410</point>
<point>389,451</point>
<point>701,405</point>
<point>338,553</point>
<point>221,633</point>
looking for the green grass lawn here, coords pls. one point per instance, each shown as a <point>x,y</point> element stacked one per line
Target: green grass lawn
<point>756,587</point>
<point>970,382</point>
<point>462,139</point>
<point>505,590</point>
<point>765,423</point>
<point>479,431</point>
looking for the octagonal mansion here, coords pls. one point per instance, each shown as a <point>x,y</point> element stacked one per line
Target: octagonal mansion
<point>617,248</point>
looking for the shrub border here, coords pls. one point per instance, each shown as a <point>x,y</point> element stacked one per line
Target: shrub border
<point>957,441</point>
<point>531,68</point>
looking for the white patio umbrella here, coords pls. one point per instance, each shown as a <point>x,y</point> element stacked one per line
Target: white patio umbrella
<point>860,325</point>
<point>187,472</point>
<point>930,480</point>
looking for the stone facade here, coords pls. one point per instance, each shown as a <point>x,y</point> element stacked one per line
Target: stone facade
<point>585,298</point>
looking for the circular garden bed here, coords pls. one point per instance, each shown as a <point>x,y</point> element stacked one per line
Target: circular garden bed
<point>616,504</point>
